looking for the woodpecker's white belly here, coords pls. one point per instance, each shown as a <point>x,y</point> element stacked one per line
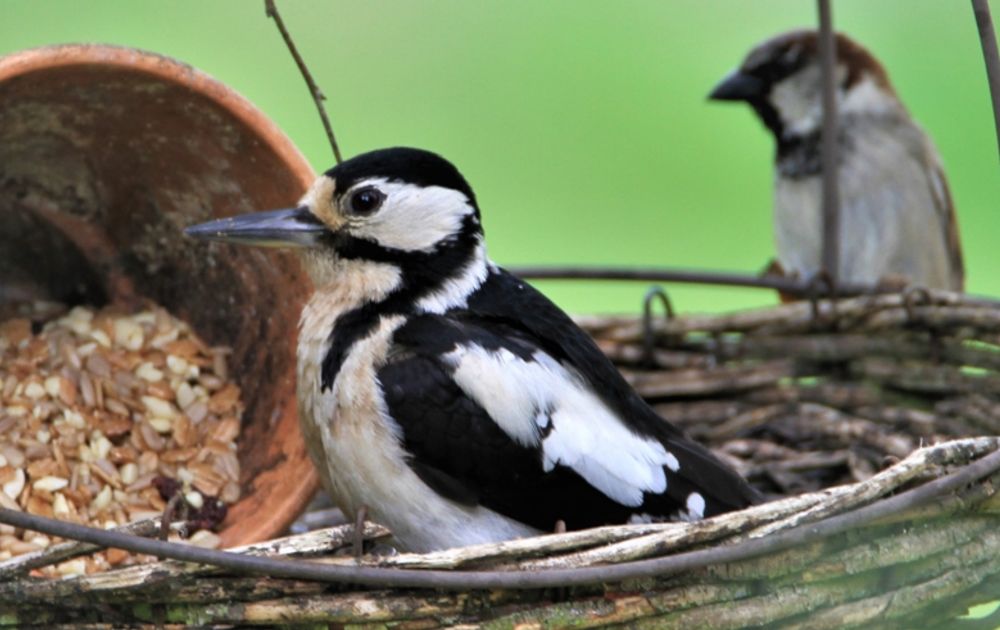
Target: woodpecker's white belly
<point>357,447</point>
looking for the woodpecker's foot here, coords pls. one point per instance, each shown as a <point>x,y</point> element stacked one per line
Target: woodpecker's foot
<point>169,513</point>
<point>560,527</point>
<point>358,545</point>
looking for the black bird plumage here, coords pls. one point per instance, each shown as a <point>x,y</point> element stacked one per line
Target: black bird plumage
<point>460,451</point>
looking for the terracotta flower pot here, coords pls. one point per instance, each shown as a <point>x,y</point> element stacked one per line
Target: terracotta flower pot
<point>106,153</point>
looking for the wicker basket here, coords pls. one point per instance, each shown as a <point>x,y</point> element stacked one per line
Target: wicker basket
<point>825,404</point>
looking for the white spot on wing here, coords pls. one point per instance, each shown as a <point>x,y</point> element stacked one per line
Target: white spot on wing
<point>694,508</point>
<point>585,434</point>
<point>672,462</point>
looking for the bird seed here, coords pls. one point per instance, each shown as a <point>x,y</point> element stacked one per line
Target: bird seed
<point>105,416</point>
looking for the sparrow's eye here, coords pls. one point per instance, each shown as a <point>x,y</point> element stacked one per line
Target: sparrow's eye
<point>366,200</point>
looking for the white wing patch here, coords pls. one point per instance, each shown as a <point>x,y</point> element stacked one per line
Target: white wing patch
<point>529,398</point>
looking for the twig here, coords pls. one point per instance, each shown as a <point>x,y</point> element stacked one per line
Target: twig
<point>125,581</point>
<point>471,580</point>
<point>831,198</point>
<point>20,565</point>
<point>866,313</point>
<point>767,519</point>
<point>725,379</point>
<point>517,548</point>
<point>988,39</point>
<point>318,97</point>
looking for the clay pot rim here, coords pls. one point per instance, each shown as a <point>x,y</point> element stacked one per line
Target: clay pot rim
<point>44,58</point>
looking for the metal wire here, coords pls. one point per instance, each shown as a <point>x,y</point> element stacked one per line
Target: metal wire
<point>535,579</point>
<point>988,40</point>
<point>792,286</point>
<point>830,142</point>
<point>648,334</point>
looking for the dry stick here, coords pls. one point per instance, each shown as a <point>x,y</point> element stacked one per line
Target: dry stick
<point>773,517</point>
<point>470,580</point>
<point>988,39</point>
<point>318,96</point>
<point>20,565</point>
<point>831,198</point>
<point>865,314</point>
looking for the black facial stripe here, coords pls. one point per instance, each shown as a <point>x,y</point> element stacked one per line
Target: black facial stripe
<point>768,115</point>
<point>422,274</point>
<point>801,156</point>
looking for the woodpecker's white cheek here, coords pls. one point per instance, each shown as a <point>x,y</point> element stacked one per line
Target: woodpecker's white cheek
<point>413,218</point>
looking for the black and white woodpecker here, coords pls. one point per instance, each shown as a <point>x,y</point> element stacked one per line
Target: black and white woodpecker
<point>451,399</point>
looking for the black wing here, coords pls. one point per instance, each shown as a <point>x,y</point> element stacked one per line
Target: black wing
<point>507,299</point>
<point>458,449</point>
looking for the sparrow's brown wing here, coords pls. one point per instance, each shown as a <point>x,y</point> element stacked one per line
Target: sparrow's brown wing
<point>924,152</point>
<point>949,223</point>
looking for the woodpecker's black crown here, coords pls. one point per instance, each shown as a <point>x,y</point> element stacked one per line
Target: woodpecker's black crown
<point>402,164</point>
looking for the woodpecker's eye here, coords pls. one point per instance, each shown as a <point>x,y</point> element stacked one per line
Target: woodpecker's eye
<point>366,200</point>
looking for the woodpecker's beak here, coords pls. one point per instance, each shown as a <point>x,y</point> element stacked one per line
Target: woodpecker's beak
<point>297,227</point>
<point>737,86</point>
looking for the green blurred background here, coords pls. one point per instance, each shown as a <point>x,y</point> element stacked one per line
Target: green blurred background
<point>582,124</point>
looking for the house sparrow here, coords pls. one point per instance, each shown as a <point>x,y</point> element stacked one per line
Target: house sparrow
<point>897,221</point>
<point>449,399</point>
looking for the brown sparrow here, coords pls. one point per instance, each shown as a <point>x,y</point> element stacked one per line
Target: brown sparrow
<point>897,221</point>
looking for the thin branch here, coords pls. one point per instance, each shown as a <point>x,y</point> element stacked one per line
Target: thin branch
<point>317,94</point>
<point>20,565</point>
<point>471,580</point>
<point>831,198</point>
<point>988,39</point>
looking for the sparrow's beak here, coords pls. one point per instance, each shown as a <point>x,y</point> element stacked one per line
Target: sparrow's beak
<point>297,227</point>
<point>738,86</point>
